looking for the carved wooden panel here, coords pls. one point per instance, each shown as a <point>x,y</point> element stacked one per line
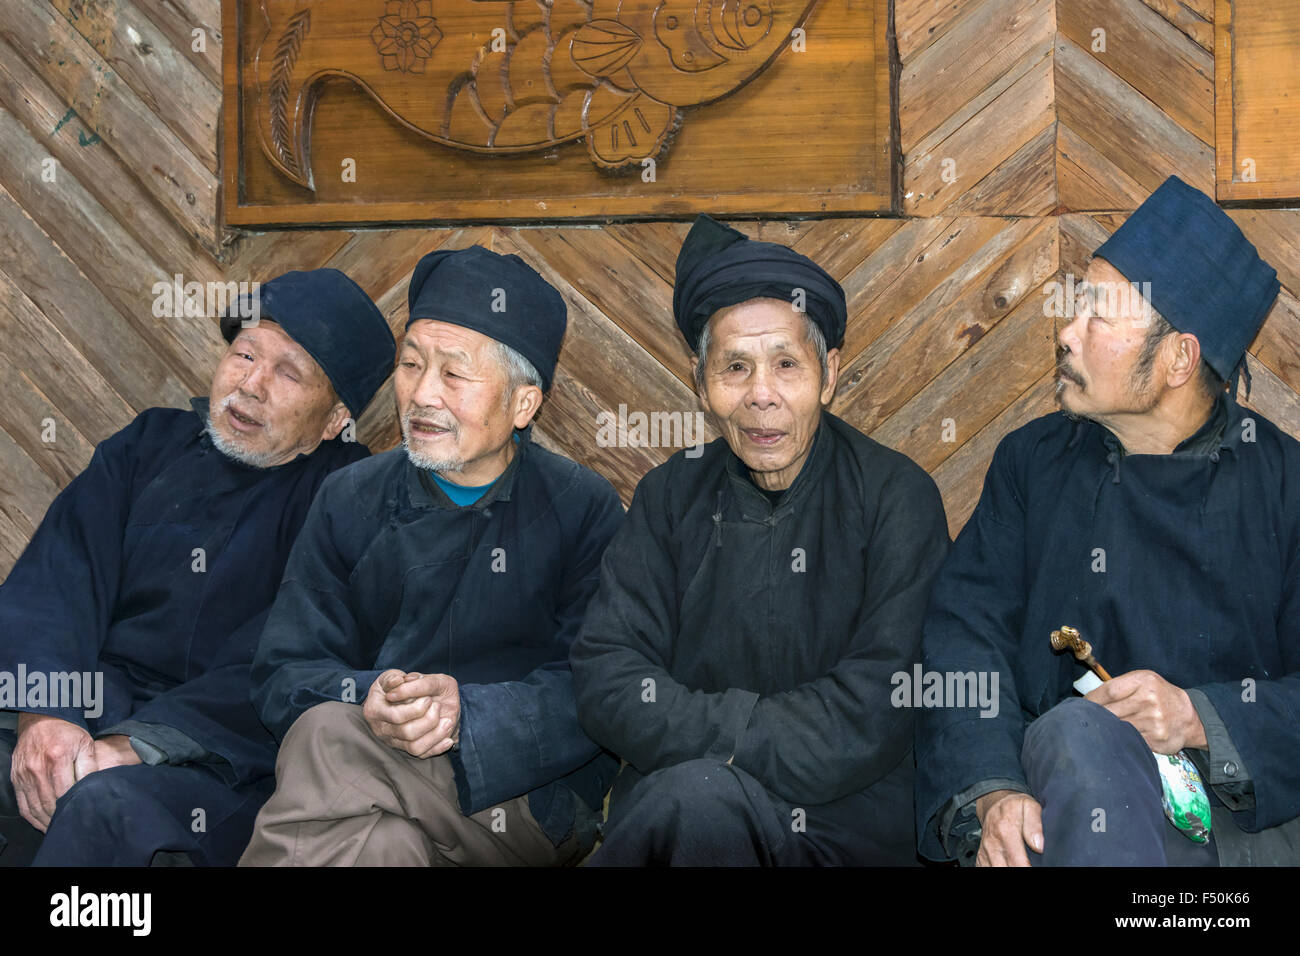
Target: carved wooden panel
<point>946,313</point>
<point>465,109</point>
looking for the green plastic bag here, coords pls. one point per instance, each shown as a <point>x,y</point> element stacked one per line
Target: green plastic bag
<point>1182,793</point>
<point>1183,796</point>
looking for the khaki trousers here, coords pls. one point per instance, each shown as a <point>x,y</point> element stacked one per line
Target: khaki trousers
<point>343,797</point>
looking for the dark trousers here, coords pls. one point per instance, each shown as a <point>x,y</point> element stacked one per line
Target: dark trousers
<point>1099,787</point>
<point>125,815</point>
<point>707,813</point>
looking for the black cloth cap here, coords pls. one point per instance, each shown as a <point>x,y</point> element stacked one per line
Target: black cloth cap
<point>500,296</point>
<point>719,266</point>
<point>331,317</point>
<point>1207,279</point>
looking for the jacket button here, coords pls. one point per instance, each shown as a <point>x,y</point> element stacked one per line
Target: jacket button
<point>1230,768</point>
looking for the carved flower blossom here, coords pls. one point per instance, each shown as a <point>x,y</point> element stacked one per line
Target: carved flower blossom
<point>406,35</point>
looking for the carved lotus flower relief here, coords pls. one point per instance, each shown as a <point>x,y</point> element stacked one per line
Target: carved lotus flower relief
<point>406,35</point>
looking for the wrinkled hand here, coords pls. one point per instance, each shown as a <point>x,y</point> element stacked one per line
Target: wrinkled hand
<point>51,755</point>
<point>1162,713</point>
<point>1010,820</point>
<point>415,713</point>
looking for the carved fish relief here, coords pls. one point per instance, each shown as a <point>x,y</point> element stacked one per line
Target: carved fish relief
<point>614,73</point>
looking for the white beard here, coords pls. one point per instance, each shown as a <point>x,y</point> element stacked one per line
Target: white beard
<point>422,460</point>
<point>233,447</point>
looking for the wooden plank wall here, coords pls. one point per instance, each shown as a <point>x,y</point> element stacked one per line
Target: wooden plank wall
<point>1024,143</point>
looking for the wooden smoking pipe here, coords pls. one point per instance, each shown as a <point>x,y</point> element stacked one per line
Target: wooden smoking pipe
<point>1067,638</point>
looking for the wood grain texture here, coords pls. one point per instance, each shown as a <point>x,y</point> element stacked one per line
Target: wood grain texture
<point>1149,54</point>
<point>179,20</point>
<point>163,78</point>
<point>1053,145</point>
<point>1186,17</point>
<point>77,72</point>
<point>1130,131</point>
<point>1134,100</point>
<point>970,102</point>
<point>560,115</point>
<point>1258,99</point>
<point>76,147</point>
<point>918,24</point>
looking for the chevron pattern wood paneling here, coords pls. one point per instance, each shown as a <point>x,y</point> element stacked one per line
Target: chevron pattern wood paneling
<point>975,104</point>
<point>1135,102</point>
<point>949,347</point>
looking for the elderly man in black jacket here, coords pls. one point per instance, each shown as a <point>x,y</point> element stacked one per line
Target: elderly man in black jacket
<point>154,571</point>
<point>416,659</point>
<point>760,599</point>
<point>1162,520</point>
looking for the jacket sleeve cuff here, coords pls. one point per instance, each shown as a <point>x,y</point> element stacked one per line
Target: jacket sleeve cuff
<point>959,827</point>
<point>467,769</point>
<point>1227,771</point>
<point>157,744</point>
<point>336,689</point>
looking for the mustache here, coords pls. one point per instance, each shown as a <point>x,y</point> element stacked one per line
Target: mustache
<point>432,416</point>
<point>225,404</point>
<point>1064,370</point>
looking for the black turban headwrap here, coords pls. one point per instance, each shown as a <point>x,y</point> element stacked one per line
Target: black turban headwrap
<point>500,296</point>
<point>334,320</point>
<point>719,267</point>
<point>1207,279</point>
